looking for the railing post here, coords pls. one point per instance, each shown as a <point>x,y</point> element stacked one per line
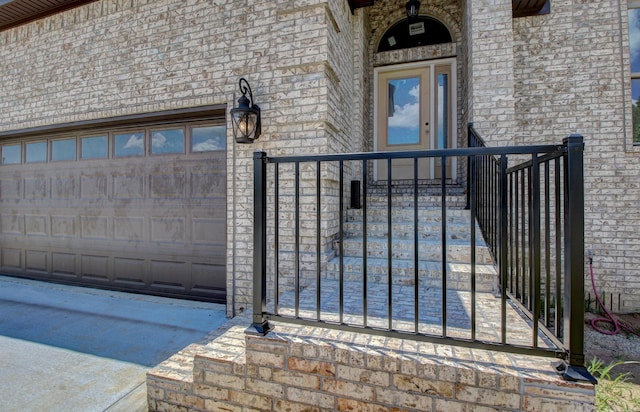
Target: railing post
<point>260,325</point>
<point>574,370</point>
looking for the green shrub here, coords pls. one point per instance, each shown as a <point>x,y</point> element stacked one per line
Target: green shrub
<point>614,392</point>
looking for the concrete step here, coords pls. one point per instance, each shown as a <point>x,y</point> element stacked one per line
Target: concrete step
<point>402,273</point>
<point>428,250</point>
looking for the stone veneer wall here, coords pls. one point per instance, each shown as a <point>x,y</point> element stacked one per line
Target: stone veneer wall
<point>119,57</point>
<point>298,368</point>
<point>572,76</point>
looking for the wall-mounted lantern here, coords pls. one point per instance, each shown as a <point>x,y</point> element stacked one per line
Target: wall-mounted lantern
<point>413,8</point>
<point>246,117</point>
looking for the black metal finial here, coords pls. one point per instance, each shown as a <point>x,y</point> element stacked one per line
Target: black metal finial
<point>245,88</point>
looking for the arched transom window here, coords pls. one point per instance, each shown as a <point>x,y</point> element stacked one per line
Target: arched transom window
<point>408,33</point>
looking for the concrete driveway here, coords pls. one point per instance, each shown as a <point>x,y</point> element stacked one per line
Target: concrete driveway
<point>65,348</point>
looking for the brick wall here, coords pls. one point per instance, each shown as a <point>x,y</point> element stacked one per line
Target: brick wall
<point>489,40</point>
<point>571,76</point>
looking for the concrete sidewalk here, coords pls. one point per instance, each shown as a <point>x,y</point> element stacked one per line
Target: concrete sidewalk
<point>66,348</point>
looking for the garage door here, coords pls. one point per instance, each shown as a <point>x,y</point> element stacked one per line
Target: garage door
<point>140,207</point>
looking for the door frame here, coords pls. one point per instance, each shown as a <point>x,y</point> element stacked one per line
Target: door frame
<point>432,104</point>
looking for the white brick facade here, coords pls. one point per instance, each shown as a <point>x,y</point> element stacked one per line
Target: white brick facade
<point>310,63</point>
<point>571,76</point>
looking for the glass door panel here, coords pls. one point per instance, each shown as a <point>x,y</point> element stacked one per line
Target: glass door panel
<point>443,117</point>
<point>403,111</point>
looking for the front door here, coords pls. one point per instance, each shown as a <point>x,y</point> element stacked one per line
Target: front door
<point>414,106</point>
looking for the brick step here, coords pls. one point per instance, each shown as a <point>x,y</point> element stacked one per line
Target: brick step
<point>300,367</point>
<point>405,230</point>
<point>379,200</point>
<point>402,273</point>
<point>431,215</point>
<point>428,250</point>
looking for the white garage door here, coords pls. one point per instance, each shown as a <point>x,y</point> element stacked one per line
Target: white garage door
<point>141,208</point>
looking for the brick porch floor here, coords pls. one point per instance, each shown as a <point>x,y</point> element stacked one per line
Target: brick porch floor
<point>458,311</point>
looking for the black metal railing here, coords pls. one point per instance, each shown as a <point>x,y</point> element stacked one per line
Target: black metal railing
<point>530,215</point>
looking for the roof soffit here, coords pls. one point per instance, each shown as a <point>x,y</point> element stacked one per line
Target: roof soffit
<point>17,12</point>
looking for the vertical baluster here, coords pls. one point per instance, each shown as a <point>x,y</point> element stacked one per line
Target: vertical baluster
<point>416,251</point>
<point>364,243</point>
<point>523,237</point>
<point>318,239</point>
<point>495,204</point>
<point>296,241</point>
<point>479,191</point>
<point>341,239</point>
<point>530,239</point>
<point>489,198</point>
<point>482,210</point>
<point>276,238</point>
<point>491,204</point>
<point>470,143</point>
<point>535,245</point>
<point>389,247</point>
<point>518,233</point>
<point>504,244</point>
<point>483,192</point>
<point>485,198</point>
<point>498,188</point>
<point>443,194</point>
<point>486,206</point>
<point>476,183</point>
<point>472,228</point>
<point>512,244</point>
<point>547,245</point>
<point>559,234</point>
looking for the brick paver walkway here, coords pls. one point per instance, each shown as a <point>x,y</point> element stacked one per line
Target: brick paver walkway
<point>458,311</point>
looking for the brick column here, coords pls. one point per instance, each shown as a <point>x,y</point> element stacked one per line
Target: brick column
<point>490,76</point>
